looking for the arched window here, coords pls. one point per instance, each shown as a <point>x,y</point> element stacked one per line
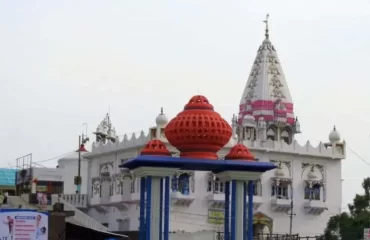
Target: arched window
<point>184,184</point>
<point>316,192</point>
<point>271,133</point>
<point>218,186</point>
<point>215,186</point>
<point>285,135</point>
<point>312,193</point>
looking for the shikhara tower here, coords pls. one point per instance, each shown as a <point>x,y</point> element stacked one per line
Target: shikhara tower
<point>266,101</point>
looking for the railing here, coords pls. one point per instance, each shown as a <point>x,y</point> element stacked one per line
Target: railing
<point>266,236</point>
<point>77,200</point>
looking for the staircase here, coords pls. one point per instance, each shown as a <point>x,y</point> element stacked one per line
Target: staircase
<point>79,218</point>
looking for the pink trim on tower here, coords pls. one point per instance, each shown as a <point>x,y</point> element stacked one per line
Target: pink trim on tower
<point>267,110</point>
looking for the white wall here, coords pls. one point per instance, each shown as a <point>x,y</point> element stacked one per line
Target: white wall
<point>194,217</point>
<point>70,170</point>
<point>47,174</point>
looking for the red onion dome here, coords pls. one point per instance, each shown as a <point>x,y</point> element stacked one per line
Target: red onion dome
<point>155,148</point>
<point>239,152</point>
<point>198,131</point>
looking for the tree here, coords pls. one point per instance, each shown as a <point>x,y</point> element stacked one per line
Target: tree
<point>350,226</point>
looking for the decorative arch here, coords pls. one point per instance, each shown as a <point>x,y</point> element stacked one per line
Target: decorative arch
<point>286,135</point>
<point>271,132</point>
<point>183,182</point>
<point>263,219</point>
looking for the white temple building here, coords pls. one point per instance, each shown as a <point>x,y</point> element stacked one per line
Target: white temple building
<point>306,183</point>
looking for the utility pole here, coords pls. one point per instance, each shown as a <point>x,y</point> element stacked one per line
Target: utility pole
<point>78,177</point>
<point>78,180</point>
<point>291,214</point>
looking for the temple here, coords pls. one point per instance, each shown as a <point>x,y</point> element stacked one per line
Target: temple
<point>305,184</point>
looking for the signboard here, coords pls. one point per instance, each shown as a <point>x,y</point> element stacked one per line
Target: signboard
<point>366,233</point>
<point>22,224</point>
<point>216,216</point>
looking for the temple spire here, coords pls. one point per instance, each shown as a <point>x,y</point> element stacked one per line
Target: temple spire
<point>266,93</point>
<point>266,21</point>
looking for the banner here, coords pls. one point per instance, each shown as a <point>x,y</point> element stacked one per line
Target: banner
<point>23,224</point>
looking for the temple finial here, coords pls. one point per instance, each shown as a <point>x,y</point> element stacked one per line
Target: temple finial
<point>161,110</point>
<point>266,21</point>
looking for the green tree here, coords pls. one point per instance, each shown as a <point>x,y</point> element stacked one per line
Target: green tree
<point>350,225</point>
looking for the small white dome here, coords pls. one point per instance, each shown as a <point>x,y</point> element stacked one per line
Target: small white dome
<point>161,119</point>
<point>311,175</point>
<point>279,172</point>
<point>249,117</point>
<point>334,136</point>
<point>249,121</point>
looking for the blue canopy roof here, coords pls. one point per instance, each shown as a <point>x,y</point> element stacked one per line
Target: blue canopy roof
<point>215,166</point>
<point>7,177</point>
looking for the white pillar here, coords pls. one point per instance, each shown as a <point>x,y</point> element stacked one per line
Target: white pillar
<point>239,191</point>
<point>155,210</point>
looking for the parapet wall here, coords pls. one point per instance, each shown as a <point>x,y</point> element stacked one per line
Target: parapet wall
<point>335,151</point>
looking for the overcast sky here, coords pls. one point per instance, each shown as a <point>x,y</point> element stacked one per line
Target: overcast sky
<point>65,63</point>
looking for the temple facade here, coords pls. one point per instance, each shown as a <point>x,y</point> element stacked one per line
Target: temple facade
<point>306,184</point>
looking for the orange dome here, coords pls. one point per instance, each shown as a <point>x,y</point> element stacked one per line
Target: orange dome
<point>155,148</point>
<point>198,131</point>
<point>239,152</point>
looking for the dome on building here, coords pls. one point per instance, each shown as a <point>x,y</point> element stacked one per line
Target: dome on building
<point>279,172</point>
<point>334,136</point>
<point>161,119</point>
<point>239,152</point>
<point>249,120</point>
<point>74,156</point>
<point>155,148</point>
<point>198,131</point>
<point>311,174</point>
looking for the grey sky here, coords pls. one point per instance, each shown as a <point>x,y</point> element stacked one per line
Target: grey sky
<point>65,62</point>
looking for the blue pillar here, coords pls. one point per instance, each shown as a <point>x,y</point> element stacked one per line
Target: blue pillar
<point>161,212</point>
<point>233,210</point>
<point>227,212</point>
<point>166,209</point>
<point>245,207</point>
<point>250,210</point>
<point>148,207</point>
<point>142,209</point>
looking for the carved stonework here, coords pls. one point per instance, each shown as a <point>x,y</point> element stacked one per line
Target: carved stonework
<point>126,174</point>
<point>105,179</point>
<point>281,164</point>
<point>211,176</point>
<point>312,167</point>
<point>313,175</point>
<point>95,186</point>
<point>105,131</point>
<point>117,180</point>
<point>106,169</point>
<point>281,181</point>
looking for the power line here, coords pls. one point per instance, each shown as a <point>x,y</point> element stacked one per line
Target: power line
<point>358,156</point>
